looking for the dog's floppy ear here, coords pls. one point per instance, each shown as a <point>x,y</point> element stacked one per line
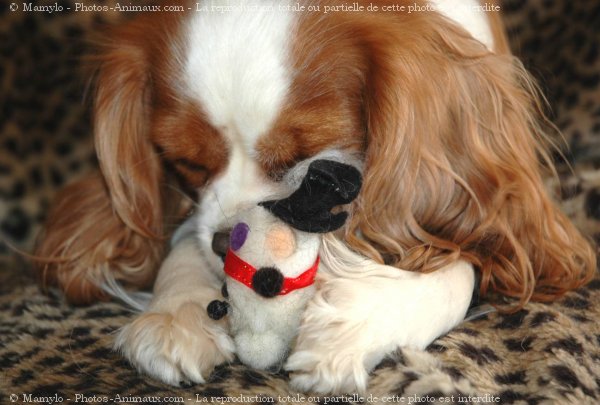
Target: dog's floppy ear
<point>453,168</point>
<point>326,185</point>
<point>131,168</point>
<point>111,223</point>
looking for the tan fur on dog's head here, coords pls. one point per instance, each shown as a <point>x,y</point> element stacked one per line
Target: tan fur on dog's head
<point>451,133</point>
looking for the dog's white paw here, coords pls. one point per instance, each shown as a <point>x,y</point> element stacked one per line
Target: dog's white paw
<point>352,323</point>
<point>343,336</point>
<point>332,354</point>
<point>179,347</point>
<point>322,372</point>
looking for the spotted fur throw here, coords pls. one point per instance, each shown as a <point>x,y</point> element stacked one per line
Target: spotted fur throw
<point>544,354</point>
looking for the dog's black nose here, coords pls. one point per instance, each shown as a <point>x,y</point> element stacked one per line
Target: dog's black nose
<point>267,281</point>
<point>220,243</point>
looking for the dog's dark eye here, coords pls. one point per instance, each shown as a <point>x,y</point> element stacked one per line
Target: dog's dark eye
<point>189,165</point>
<point>239,234</point>
<point>189,174</point>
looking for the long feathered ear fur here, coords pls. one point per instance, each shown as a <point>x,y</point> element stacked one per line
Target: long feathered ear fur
<point>454,165</point>
<point>111,224</point>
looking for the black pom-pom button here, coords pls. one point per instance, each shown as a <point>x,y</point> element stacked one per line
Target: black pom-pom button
<point>217,309</point>
<point>267,281</point>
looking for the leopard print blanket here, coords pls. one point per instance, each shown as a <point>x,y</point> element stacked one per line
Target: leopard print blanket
<point>52,352</point>
<point>544,354</point>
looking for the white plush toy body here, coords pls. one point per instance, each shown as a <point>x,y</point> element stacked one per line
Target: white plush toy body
<point>264,319</point>
<point>273,259</point>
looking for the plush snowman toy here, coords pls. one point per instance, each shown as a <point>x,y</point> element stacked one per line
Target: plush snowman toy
<point>273,259</point>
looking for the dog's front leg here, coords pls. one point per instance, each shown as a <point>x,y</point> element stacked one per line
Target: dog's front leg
<point>174,340</point>
<point>354,321</point>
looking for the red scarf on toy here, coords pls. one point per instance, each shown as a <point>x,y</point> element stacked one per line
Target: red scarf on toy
<point>243,272</point>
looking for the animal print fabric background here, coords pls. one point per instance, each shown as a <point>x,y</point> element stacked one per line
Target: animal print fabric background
<point>543,354</point>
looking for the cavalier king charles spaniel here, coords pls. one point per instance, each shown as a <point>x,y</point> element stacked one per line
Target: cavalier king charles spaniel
<point>223,106</point>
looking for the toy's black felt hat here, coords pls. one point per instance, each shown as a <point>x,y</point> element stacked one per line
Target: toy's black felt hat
<point>327,184</point>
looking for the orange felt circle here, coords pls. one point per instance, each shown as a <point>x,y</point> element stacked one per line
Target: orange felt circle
<point>280,241</point>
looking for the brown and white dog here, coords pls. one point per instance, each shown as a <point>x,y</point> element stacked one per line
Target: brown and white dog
<point>224,102</point>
